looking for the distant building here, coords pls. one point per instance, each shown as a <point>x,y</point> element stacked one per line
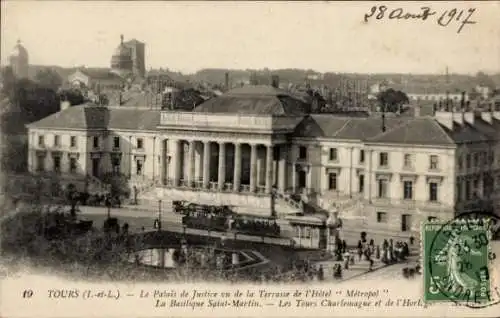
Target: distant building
<point>19,61</point>
<point>129,59</point>
<point>96,80</point>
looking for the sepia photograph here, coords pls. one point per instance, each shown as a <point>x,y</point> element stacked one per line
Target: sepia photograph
<point>205,158</point>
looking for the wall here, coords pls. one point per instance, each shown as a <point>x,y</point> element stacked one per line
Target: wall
<point>64,147</point>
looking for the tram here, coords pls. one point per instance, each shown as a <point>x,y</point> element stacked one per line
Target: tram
<point>223,218</point>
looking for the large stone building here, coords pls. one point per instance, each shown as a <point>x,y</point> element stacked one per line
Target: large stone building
<point>254,147</point>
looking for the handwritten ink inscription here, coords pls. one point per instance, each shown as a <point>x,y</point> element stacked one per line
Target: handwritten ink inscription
<point>461,18</point>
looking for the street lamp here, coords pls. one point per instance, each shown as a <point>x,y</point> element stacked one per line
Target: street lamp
<point>108,205</point>
<point>159,215</point>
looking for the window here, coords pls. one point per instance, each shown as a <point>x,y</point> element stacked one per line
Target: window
<point>361,156</point>
<point>302,152</point>
<point>431,218</point>
<point>116,163</point>
<point>41,141</point>
<point>96,142</point>
<point>408,190</point>
<point>468,161</point>
<point>40,163</point>
<point>468,190</point>
<point>333,154</point>
<point>383,159</point>
<point>138,170</point>
<point>405,222</point>
<point>116,167</point>
<point>72,141</point>
<point>433,162</point>
<point>485,158</point>
<point>382,188</point>
<point>332,181</point>
<point>492,157</point>
<point>433,191</point>
<point>116,142</point>
<point>460,162</point>
<point>139,143</point>
<point>361,179</point>
<point>57,163</point>
<point>72,165</point>
<point>56,141</point>
<point>476,159</point>
<point>381,217</point>
<point>407,162</point>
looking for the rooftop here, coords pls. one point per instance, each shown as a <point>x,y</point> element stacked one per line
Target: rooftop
<point>87,117</point>
<point>254,100</point>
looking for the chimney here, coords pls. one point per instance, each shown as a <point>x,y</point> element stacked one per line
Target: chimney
<point>462,101</point>
<point>459,118</point>
<point>275,81</point>
<point>416,110</point>
<point>469,117</point>
<point>445,119</point>
<point>467,106</point>
<point>487,117</point>
<point>226,81</point>
<point>65,105</point>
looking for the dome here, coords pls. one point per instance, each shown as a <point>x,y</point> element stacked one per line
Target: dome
<point>19,51</point>
<point>122,57</point>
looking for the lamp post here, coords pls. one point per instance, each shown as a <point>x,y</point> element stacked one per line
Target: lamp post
<point>108,205</point>
<point>159,215</point>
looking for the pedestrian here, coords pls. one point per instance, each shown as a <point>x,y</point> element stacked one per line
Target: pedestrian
<point>320,274</point>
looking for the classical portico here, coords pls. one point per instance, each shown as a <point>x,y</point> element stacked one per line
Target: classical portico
<point>228,166</point>
<point>237,143</point>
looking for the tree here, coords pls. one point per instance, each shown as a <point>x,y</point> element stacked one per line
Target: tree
<point>392,100</point>
<point>73,96</point>
<point>48,78</point>
<point>118,183</point>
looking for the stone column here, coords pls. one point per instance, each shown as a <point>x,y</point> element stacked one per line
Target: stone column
<point>198,161</point>
<point>294,177</point>
<point>222,165</point>
<point>206,163</point>
<point>237,167</point>
<point>253,167</point>
<point>269,168</point>
<point>282,169</point>
<point>190,163</point>
<point>176,162</point>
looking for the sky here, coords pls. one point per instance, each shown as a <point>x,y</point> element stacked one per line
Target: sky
<point>323,36</point>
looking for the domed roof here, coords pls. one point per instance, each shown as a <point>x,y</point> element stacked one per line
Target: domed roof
<point>122,58</point>
<point>19,51</point>
<point>122,51</point>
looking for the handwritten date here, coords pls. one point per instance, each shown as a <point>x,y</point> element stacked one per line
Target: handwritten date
<point>444,19</point>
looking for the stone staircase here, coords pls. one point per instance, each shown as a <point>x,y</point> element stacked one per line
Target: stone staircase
<point>285,205</point>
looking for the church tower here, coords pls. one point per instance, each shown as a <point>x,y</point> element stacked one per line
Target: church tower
<point>19,61</point>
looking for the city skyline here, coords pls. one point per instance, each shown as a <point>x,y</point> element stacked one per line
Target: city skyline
<point>182,37</point>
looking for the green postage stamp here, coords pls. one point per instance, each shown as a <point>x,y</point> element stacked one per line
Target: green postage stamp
<point>455,261</point>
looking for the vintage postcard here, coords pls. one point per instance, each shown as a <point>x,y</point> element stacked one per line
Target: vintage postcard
<point>250,159</point>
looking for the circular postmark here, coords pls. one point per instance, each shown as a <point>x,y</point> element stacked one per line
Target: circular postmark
<point>459,260</point>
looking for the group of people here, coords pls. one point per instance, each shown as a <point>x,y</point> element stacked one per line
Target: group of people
<point>388,252</point>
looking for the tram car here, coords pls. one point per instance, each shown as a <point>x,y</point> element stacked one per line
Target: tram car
<point>204,217</point>
<point>252,225</point>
